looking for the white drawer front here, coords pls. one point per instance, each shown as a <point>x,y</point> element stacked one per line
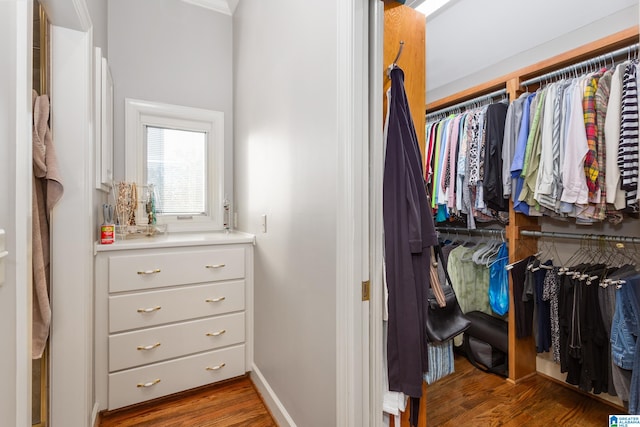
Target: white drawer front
<point>143,271</point>
<point>154,308</point>
<point>130,349</point>
<point>149,382</point>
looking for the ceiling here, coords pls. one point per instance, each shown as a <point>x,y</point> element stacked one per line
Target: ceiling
<point>469,42</point>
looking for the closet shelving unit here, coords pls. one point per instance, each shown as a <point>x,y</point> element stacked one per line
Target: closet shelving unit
<point>523,232</point>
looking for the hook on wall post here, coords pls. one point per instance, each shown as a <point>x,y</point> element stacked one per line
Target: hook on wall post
<point>399,52</point>
<point>393,64</point>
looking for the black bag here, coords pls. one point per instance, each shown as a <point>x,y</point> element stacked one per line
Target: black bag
<point>486,343</point>
<point>444,321</point>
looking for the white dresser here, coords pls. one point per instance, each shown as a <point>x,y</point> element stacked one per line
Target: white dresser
<point>171,313</point>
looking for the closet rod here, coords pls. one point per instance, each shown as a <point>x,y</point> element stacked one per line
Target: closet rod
<point>480,98</point>
<point>486,232</point>
<point>604,57</point>
<point>596,237</point>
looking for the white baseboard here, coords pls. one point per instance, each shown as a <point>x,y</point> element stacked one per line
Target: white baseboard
<point>94,415</point>
<point>277,409</point>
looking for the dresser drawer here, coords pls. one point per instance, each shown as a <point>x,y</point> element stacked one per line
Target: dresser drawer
<point>160,379</point>
<point>152,308</point>
<point>130,349</point>
<point>167,268</point>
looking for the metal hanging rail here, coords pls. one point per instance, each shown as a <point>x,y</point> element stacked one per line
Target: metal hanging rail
<point>478,99</point>
<point>596,237</point>
<point>576,67</point>
<point>485,232</point>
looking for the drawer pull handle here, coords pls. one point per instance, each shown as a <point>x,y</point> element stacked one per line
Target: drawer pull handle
<point>157,270</point>
<point>215,299</point>
<point>149,384</point>
<point>149,310</point>
<point>214,334</point>
<point>215,266</point>
<point>148,347</point>
<point>215,368</point>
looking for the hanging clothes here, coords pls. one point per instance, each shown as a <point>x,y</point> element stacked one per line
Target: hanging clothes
<point>409,233</point>
<point>551,287</point>
<point>499,282</point>
<point>628,149</point>
<point>523,307</point>
<point>492,180</point>
<point>465,154</point>
<point>47,191</point>
<point>576,153</point>
<point>614,194</point>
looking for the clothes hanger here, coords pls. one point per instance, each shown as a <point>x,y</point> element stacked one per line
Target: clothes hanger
<point>529,245</point>
<point>485,244</point>
<point>469,255</point>
<point>492,260</point>
<point>480,255</point>
<point>495,260</point>
<point>490,256</point>
<point>572,261</point>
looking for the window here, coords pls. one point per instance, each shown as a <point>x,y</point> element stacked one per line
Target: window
<point>180,151</point>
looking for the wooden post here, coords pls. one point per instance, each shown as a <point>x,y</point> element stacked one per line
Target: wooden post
<point>402,23</point>
<point>522,352</point>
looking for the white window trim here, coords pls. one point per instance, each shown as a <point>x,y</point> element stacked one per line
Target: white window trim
<point>139,114</point>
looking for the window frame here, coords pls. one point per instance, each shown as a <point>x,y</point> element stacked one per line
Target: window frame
<point>138,115</point>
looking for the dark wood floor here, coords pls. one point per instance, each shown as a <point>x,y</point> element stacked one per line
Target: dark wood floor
<point>233,403</point>
<point>470,397</point>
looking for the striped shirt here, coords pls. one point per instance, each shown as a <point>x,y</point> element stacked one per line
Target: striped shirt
<point>628,148</point>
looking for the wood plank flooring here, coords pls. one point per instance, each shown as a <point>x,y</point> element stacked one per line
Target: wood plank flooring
<point>233,403</point>
<point>470,397</point>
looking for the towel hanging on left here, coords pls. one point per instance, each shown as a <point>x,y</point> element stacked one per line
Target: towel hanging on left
<point>47,190</point>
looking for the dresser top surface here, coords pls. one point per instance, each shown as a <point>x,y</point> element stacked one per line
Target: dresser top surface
<point>172,240</point>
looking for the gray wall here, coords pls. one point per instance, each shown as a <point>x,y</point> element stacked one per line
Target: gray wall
<point>286,162</point>
<point>285,154</point>
<point>171,52</point>
<point>12,382</point>
<point>469,42</point>
<point>98,12</point>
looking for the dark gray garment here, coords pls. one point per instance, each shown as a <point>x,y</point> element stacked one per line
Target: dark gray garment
<point>607,299</point>
<point>494,135</point>
<point>409,233</point>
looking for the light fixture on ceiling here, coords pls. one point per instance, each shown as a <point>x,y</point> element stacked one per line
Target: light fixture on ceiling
<point>223,6</point>
<point>429,7</point>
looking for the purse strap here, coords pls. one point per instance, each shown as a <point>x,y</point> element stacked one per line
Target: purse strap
<point>438,253</point>
<point>434,281</point>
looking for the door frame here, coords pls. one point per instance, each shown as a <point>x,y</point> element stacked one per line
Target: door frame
<point>352,254</point>
<point>376,172</point>
<point>15,211</point>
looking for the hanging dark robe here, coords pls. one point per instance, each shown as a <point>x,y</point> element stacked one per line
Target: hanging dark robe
<point>409,233</point>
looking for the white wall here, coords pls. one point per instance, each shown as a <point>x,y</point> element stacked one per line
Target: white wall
<point>286,167</point>
<point>172,52</point>
<point>72,230</point>
<point>15,211</point>
<point>470,42</point>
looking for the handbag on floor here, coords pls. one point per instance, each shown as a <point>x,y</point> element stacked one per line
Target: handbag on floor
<point>486,343</point>
<point>445,319</point>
